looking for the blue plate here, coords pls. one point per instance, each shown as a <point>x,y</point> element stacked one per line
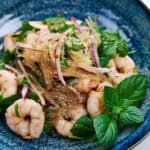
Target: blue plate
<point>127,16</point>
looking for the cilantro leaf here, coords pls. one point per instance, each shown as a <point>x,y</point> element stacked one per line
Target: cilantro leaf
<point>25,28</point>
<point>57,24</point>
<point>112,44</point>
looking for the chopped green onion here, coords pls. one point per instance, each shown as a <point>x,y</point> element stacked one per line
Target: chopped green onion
<point>17,110</point>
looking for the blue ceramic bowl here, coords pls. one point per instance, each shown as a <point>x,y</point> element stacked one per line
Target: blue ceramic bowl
<point>127,16</point>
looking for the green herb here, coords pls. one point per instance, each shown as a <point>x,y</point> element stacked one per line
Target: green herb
<point>131,52</point>
<point>83,128</point>
<point>111,98</point>
<point>60,28</point>
<point>47,47</point>
<point>47,128</point>
<point>40,80</point>
<point>76,46</point>
<point>104,60</point>
<point>49,111</point>
<point>133,89</point>
<point>57,24</point>
<point>2,67</point>
<point>9,57</point>
<point>131,115</point>
<point>64,63</point>
<point>17,110</point>
<point>25,28</point>
<point>33,96</point>
<point>5,102</point>
<point>55,20</point>
<point>73,43</point>
<point>74,34</point>
<point>74,137</point>
<point>106,129</point>
<point>112,44</point>
<point>24,82</point>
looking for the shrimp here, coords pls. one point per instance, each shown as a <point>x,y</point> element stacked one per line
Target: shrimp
<point>64,126</point>
<point>121,68</point>
<point>8,83</point>
<point>28,120</point>
<point>86,85</point>
<point>9,42</point>
<point>95,104</point>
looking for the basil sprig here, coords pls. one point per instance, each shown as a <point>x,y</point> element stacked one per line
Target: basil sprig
<point>121,106</point>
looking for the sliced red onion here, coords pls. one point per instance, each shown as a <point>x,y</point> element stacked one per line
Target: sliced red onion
<point>94,53</point>
<point>58,65</point>
<point>25,92</point>
<point>74,20</point>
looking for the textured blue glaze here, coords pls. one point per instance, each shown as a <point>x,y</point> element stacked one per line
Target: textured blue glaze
<point>127,16</point>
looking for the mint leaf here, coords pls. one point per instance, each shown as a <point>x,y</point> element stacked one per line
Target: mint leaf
<point>131,115</point>
<point>111,98</point>
<point>106,129</point>
<point>133,89</point>
<point>25,28</point>
<point>83,127</point>
<point>104,61</point>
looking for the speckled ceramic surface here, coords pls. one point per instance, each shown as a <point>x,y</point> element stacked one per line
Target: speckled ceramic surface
<point>127,16</point>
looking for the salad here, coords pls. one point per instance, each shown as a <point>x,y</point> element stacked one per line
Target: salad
<point>71,77</point>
